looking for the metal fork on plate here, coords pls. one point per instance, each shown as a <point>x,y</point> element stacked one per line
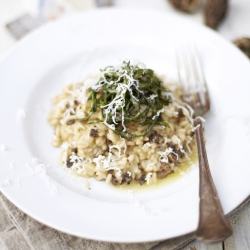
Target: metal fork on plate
<point>212,226</point>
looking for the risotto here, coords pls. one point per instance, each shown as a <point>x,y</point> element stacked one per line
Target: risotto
<point>124,126</point>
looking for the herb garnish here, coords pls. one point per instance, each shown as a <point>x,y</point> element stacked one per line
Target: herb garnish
<point>128,94</point>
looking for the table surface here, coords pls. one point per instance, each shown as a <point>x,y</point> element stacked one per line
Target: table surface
<point>236,25</point>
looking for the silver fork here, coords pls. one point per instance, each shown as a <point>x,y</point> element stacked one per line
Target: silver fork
<point>213,225</point>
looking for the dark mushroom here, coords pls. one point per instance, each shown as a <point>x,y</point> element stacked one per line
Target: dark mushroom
<point>164,173</point>
<point>215,11</point>
<point>76,102</point>
<point>181,154</point>
<point>180,113</point>
<point>74,150</point>
<point>244,45</point>
<point>173,146</point>
<point>126,178</point>
<point>164,165</point>
<point>192,133</point>
<point>165,170</point>
<point>186,5</point>
<point>70,122</point>
<point>93,132</point>
<point>69,163</point>
<point>142,179</point>
<point>173,158</point>
<point>155,137</point>
<point>114,181</point>
<point>109,142</point>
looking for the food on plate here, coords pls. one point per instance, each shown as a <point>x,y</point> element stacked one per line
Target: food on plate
<point>127,125</point>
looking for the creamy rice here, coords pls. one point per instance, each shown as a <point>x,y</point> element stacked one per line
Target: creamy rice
<point>95,150</point>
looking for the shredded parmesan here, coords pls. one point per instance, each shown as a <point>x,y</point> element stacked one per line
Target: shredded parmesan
<point>78,163</point>
<point>165,141</point>
<point>35,160</point>
<point>187,144</point>
<point>176,139</point>
<point>171,112</point>
<point>201,118</point>
<point>188,111</point>
<point>21,114</point>
<point>25,175</point>
<point>67,114</point>
<point>146,152</point>
<point>149,167</point>
<point>7,182</point>
<point>14,164</point>
<point>129,173</point>
<point>147,144</point>
<point>80,114</point>
<point>119,101</point>
<point>152,97</point>
<point>148,177</point>
<point>164,155</point>
<point>3,147</point>
<point>158,113</point>
<point>41,171</point>
<point>195,128</point>
<point>106,163</point>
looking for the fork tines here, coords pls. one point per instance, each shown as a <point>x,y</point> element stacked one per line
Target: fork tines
<point>191,78</point>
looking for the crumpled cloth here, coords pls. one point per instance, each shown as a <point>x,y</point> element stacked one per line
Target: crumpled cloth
<point>20,232</point>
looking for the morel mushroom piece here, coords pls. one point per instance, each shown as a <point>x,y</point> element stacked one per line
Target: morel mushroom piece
<point>93,132</point>
<point>165,170</point>
<point>109,142</point>
<point>244,45</point>
<point>114,181</point>
<point>69,163</point>
<point>180,113</point>
<point>75,150</point>
<point>173,158</point>
<point>70,122</point>
<point>186,5</point>
<point>215,11</point>
<point>142,179</point>
<point>126,178</point>
<point>155,137</point>
<point>76,102</point>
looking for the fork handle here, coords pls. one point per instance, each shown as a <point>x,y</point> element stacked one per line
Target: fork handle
<point>213,225</point>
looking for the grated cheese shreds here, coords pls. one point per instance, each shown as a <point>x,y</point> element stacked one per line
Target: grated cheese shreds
<point>128,94</point>
<point>21,176</point>
<point>21,114</point>
<point>3,147</point>
<point>148,177</point>
<point>119,101</point>
<point>41,171</point>
<point>7,182</point>
<point>110,147</point>
<point>158,114</point>
<point>164,155</point>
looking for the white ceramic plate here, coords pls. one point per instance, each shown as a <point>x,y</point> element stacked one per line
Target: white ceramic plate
<point>60,52</point>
